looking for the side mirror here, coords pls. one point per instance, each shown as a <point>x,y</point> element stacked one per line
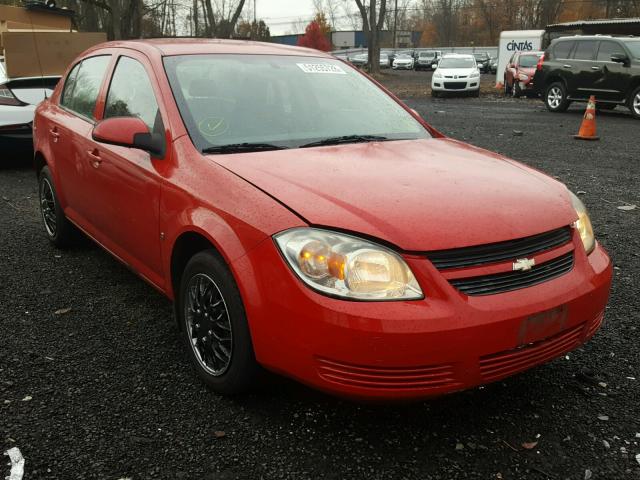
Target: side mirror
<point>619,58</point>
<point>128,132</point>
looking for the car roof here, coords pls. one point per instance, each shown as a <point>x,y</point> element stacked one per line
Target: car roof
<point>191,46</point>
<point>457,55</point>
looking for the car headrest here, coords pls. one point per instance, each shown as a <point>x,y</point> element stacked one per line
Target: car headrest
<point>202,88</point>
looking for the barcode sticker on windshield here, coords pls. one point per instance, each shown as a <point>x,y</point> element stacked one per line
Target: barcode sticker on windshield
<point>320,68</point>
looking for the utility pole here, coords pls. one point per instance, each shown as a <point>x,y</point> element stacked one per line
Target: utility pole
<point>395,22</point>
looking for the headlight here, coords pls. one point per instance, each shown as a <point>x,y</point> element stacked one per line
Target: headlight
<point>583,224</point>
<point>346,266</point>
<point>437,74</point>
<point>475,74</point>
<point>523,77</point>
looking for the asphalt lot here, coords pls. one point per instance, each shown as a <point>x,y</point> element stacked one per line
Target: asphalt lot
<point>104,390</point>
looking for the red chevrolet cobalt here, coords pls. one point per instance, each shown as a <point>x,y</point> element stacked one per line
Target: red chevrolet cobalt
<point>306,221</point>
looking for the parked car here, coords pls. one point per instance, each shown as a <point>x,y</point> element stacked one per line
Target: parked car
<point>360,59</point>
<point>18,100</point>
<point>573,68</point>
<point>519,72</point>
<point>493,65</point>
<point>384,61</point>
<point>428,60</point>
<point>355,249</point>
<point>403,62</point>
<point>482,60</point>
<point>456,73</point>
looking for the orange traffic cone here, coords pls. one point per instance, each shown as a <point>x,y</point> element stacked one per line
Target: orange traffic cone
<point>588,127</point>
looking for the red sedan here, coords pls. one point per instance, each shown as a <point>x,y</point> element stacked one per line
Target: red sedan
<point>518,76</point>
<point>306,221</point>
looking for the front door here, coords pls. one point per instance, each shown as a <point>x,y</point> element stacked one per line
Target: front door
<point>615,76</point>
<point>125,181</point>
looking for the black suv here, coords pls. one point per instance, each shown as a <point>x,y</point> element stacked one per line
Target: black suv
<point>483,60</point>
<point>576,67</point>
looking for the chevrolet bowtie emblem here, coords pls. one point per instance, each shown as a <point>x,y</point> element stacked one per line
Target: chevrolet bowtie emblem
<point>523,264</point>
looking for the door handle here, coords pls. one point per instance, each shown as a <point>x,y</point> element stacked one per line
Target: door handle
<point>595,68</point>
<point>94,155</point>
<point>54,133</point>
<point>566,66</point>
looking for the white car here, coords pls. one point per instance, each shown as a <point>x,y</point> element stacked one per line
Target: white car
<point>19,98</point>
<point>456,73</point>
<point>403,62</point>
<point>384,60</point>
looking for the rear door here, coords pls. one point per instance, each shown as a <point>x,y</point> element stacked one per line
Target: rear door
<point>615,77</point>
<point>69,125</point>
<point>125,181</point>
<point>587,73</point>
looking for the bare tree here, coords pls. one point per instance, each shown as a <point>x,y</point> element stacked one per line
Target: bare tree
<point>372,25</point>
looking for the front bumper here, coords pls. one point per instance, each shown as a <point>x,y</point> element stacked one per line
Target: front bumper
<point>416,349</point>
<point>455,85</point>
<point>403,66</point>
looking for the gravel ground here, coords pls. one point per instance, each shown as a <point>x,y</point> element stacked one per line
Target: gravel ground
<point>104,390</point>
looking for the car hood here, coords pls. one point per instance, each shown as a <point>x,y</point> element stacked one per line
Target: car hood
<point>420,195</point>
<point>455,71</point>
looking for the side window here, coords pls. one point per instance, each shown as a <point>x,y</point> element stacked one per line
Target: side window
<point>585,50</point>
<point>607,49</point>
<point>562,49</point>
<point>68,86</point>
<point>131,95</point>
<point>84,96</point>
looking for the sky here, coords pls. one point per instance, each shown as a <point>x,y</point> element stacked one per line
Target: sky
<point>279,15</point>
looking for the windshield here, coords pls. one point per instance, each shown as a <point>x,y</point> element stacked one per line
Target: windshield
<point>634,47</point>
<point>287,101</point>
<point>528,61</point>
<point>481,56</point>
<point>427,54</point>
<point>457,63</point>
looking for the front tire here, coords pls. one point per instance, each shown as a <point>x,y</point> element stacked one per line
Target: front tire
<point>214,325</point>
<point>634,103</point>
<point>517,92</point>
<point>435,94</point>
<point>555,97</point>
<point>60,231</point>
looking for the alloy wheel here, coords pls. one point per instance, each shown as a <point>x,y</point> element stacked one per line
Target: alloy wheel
<point>48,207</point>
<point>208,325</point>
<point>554,97</point>
<point>636,104</point>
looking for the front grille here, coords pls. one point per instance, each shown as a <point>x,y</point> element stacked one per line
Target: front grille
<point>503,364</point>
<point>505,282</point>
<point>432,376</point>
<point>455,85</point>
<point>498,252</point>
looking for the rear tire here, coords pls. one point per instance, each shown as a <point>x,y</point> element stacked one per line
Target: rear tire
<point>634,103</point>
<point>507,89</point>
<point>555,97</point>
<point>516,91</point>
<point>59,230</point>
<point>214,325</point>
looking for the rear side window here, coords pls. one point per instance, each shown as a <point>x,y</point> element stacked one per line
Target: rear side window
<point>585,50</point>
<point>81,92</point>
<point>607,49</point>
<point>68,86</point>
<point>562,49</point>
<point>131,94</point>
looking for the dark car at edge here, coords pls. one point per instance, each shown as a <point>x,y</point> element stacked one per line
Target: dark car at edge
<point>574,68</point>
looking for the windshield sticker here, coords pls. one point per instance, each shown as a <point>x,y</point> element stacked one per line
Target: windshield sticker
<point>321,68</point>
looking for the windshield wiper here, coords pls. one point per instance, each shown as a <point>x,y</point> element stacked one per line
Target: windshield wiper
<point>242,147</point>
<point>345,139</point>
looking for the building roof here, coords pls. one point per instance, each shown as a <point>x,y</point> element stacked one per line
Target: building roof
<point>587,23</point>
